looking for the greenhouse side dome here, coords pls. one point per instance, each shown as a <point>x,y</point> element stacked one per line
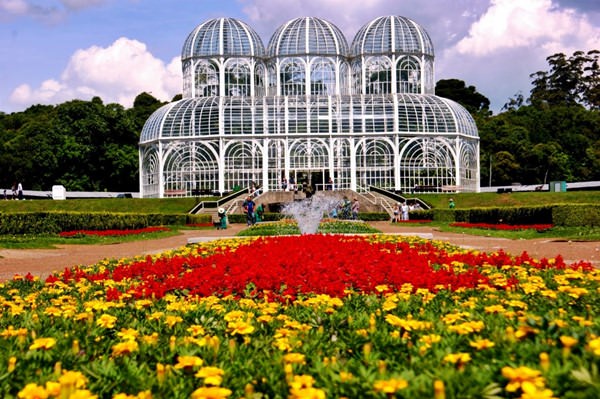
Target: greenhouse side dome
<point>308,36</point>
<point>392,34</point>
<point>223,37</point>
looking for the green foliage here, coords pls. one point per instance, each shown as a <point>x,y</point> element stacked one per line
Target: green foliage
<point>458,91</point>
<point>576,215</point>
<point>287,227</point>
<point>55,222</point>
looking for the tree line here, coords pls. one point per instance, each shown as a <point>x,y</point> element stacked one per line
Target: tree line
<point>552,134</point>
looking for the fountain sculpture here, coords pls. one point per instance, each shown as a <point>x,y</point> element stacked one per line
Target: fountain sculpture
<point>309,212</point>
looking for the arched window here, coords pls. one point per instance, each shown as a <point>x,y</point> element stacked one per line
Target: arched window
<point>408,76</point>
<point>207,79</point>
<point>237,78</point>
<point>378,75</point>
<point>293,77</point>
<point>322,77</point>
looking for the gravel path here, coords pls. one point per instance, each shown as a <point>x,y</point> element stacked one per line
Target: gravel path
<point>42,262</point>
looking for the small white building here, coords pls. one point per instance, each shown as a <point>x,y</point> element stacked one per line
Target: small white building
<point>309,107</point>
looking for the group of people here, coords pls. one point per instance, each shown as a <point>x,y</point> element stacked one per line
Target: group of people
<point>16,192</point>
<point>346,209</point>
<point>402,209</point>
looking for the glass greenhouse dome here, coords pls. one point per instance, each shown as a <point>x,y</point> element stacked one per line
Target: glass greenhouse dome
<point>308,107</point>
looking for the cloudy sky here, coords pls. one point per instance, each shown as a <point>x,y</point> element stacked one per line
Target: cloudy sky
<point>53,51</point>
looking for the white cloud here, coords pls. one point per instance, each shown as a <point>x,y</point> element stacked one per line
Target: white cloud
<point>533,23</point>
<point>117,73</point>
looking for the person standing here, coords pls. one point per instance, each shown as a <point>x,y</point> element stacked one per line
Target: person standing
<point>20,191</point>
<point>404,209</point>
<point>355,208</point>
<point>260,211</point>
<point>451,204</point>
<point>396,211</point>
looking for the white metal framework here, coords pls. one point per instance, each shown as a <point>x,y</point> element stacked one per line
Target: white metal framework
<point>311,108</point>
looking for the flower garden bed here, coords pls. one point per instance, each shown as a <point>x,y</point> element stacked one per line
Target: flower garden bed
<point>305,316</point>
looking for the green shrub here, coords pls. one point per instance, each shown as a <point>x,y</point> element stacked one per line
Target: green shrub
<point>55,222</point>
<point>576,215</point>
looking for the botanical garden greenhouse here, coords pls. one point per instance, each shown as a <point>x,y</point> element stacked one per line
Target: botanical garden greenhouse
<point>308,108</point>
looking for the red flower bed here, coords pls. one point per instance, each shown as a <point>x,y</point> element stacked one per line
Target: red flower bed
<point>205,224</point>
<point>106,233</point>
<point>502,226</point>
<point>323,264</point>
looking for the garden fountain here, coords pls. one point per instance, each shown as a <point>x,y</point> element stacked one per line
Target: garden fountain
<point>309,212</point>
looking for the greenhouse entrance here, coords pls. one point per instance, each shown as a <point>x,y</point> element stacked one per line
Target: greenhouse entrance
<point>311,178</point>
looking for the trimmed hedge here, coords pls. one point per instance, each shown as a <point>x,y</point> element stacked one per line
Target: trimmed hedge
<point>55,222</point>
<point>573,215</point>
<point>558,215</point>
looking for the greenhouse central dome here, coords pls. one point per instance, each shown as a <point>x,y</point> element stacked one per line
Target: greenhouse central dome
<point>309,108</point>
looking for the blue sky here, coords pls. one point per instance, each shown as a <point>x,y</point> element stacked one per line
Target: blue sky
<point>53,51</point>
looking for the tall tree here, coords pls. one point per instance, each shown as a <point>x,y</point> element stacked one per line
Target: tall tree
<point>467,96</point>
<point>570,81</point>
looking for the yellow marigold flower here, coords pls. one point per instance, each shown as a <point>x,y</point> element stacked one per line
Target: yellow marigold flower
<point>265,319</point>
<point>297,358</point>
<point>390,386</point>
<point>302,381</point>
<point>567,341</point>
<point>525,331</point>
<point>33,391</point>
<point>106,321</point>
<point>307,393</point>
<point>517,376</point>
<point>594,346</point>
<point>128,334</point>
<point>457,358</point>
<point>150,339</point>
<point>53,388</point>
<point>211,375</point>
<point>124,348</point>
<point>82,394</point>
<point>240,327</point>
<point>43,343</point>
<point>345,376</point>
<point>430,339</point>
<point>439,390</point>
<point>480,344</point>
<point>196,330</point>
<point>171,320</point>
<point>72,379</point>
<point>582,321</point>
<point>389,305</point>
<point>382,288</point>
<point>12,364</point>
<point>494,309</point>
<point>467,327</point>
<point>188,362</point>
<point>235,315</point>
<point>544,361</point>
<point>211,393</point>
<point>532,391</point>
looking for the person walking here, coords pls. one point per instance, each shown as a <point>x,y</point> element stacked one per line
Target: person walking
<point>355,208</point>
<point>249,206</point>
<point>20,191</point>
